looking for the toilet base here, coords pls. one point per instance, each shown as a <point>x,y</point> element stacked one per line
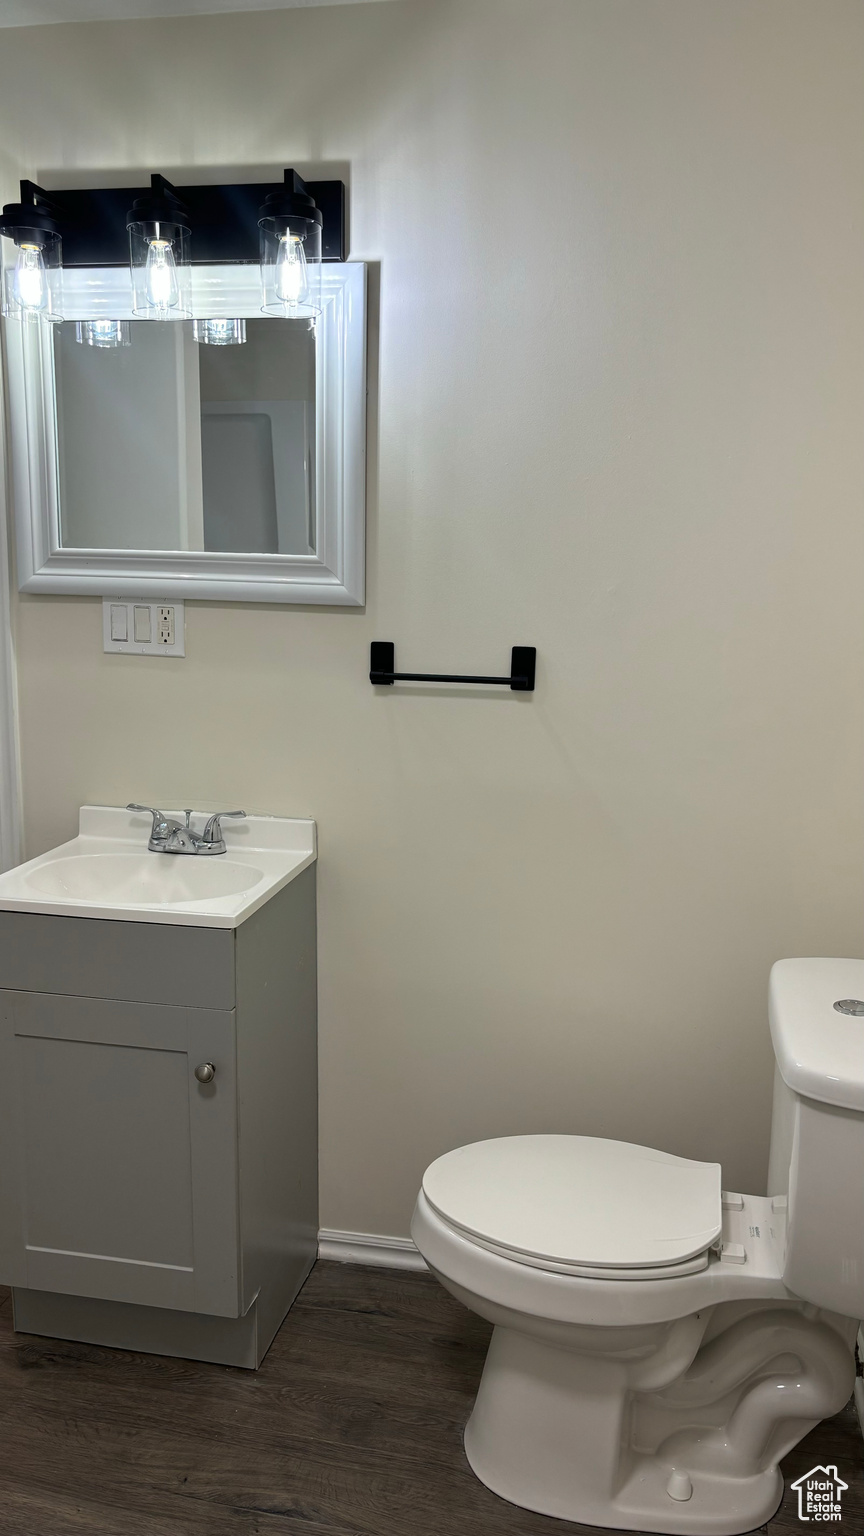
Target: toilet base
<point>564,1433</point>
<point>642,1505</point>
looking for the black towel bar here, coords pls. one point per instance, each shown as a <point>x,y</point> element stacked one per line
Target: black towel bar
<point>382,669</point>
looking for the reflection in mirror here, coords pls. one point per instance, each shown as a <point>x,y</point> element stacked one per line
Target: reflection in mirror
<point>166,444</point>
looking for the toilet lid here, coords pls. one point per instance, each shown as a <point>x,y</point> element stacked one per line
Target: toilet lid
<point>579,1200</point>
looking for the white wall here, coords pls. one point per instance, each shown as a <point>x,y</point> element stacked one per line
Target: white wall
<point>616,412</point>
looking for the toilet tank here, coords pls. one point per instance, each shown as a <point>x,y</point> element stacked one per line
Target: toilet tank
<point>817,1127</point>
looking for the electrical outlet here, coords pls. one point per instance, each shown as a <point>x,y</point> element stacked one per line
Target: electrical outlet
<point>165,625</point>
<point>143,629</point>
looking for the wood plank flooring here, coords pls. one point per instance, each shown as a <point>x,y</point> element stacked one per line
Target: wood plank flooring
<point>352,1427</point>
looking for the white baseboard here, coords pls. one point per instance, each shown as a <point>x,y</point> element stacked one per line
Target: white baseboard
<point>369,1248</point>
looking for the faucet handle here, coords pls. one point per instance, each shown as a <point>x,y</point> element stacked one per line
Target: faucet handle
<point>158,816</point>
<point>213,831</point>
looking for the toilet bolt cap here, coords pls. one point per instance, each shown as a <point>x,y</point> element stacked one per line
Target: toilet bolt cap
<point>679,1487</point>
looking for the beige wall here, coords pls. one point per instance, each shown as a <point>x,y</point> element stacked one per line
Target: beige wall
<point>617,413</point>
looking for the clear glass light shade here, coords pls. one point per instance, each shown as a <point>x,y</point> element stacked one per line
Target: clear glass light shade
<point>290,267</point>
<point>32,274</point>
<point>161,278</point>
<point>103,333</point>
<point>219,333</point>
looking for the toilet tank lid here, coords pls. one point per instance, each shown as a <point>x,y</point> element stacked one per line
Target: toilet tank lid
<point>819,1049</point>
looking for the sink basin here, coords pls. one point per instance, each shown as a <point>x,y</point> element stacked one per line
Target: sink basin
<point>149,879</point>
<point>107,871</point>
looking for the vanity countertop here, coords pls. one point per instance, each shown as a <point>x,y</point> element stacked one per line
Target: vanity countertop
<point>107,871</point>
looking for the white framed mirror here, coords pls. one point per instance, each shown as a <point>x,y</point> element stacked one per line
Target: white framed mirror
<point>162,466</point>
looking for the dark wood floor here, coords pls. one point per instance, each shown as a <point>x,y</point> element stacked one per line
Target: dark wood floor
<point>352,1427</point>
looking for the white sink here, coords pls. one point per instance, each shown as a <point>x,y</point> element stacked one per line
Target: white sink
<point>107,871</point>
<point>134,880</point>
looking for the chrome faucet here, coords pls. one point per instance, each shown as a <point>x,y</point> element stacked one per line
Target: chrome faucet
<point>167,836</point>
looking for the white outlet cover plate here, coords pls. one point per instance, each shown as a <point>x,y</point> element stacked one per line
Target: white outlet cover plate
<point>113,609</point>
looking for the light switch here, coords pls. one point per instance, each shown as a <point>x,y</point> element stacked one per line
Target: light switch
<point>119,621</point>
<point>142,625</point>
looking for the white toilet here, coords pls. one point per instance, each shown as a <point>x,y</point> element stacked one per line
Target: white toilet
<point>658,1345</point>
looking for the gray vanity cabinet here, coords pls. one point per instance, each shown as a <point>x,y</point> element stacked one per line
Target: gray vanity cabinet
<point>139,1205</point>
<point>122,1167</point>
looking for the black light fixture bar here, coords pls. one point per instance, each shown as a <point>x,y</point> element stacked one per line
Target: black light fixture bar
<point>382,670</point>
<point>37,210</point>
<point>31,193</point>
<point>224,219</point>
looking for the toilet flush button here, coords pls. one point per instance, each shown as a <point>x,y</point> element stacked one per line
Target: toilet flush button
<point>852,1005</point>
<point>679,1487</point>
<point>732,1202</point>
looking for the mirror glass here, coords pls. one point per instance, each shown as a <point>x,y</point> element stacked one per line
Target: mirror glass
<point>165,444</point>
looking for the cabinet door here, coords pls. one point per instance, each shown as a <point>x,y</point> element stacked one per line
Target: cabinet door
<point>118,1169</point>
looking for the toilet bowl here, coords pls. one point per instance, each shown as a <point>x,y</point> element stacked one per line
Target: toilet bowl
<point>658,1345</point>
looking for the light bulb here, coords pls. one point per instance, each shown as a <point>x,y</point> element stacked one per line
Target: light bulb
<point>30,282</point>
<point>160,277</point>
<point>290,280</point>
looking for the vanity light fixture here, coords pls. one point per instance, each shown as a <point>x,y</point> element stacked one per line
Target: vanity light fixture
<point>219,333</point>
<point>290,224</point>
<point>284,229</point>
<point>103,333</point>
<point>31,256</point>
<point>159,228</point>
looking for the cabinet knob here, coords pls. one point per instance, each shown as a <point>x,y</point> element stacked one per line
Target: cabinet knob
<point>206,1072</point>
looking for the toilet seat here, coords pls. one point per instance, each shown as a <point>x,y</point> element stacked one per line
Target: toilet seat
<point>588,1271</point>
<point>580,1205</point>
